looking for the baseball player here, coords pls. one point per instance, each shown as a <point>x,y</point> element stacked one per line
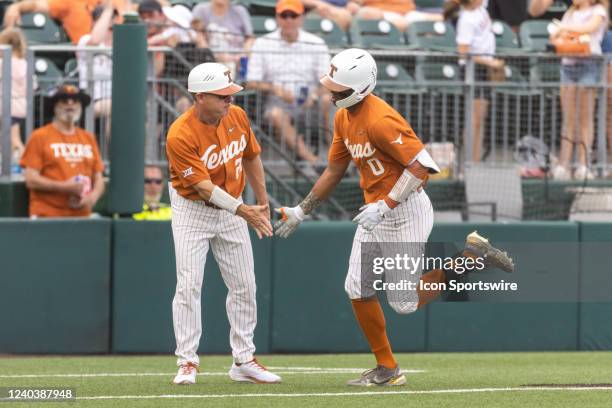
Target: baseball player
<point>393,165</point>
<point>210,149</point>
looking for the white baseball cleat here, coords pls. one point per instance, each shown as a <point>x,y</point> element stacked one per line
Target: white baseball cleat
<point>186,374</point>
<point>253,372</point>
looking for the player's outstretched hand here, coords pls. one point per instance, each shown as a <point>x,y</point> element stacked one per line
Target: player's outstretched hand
<point>258,217</point>
<point>372,214</point>
<point>291,219</point>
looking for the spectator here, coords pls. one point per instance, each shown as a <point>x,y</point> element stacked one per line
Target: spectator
<point>292,82</point>
<point>153,209</point>
<point>101,62</point>
<point>475,36</point>
<point>169,26</point>
<point>74,15</point>
<point>334,10</point>
<point>512,12</point>
<point>400,13</point>
<point>14,37</point>
<point>228,30</point>
<point>63,169</point>
<point>579,76</point>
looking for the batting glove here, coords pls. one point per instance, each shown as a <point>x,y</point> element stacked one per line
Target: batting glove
<point>291,219</point>
<point>372,214</point>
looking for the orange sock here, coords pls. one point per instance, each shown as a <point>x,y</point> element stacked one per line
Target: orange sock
<point>426,296</point>
<point>370,316</point>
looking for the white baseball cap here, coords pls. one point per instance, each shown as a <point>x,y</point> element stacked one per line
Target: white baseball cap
<point>179,15</point>
<point>211,77</point>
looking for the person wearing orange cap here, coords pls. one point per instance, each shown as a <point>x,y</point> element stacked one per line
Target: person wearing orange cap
<point>291,83</point>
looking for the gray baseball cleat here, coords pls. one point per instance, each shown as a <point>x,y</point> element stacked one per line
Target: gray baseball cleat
<point>481,247</point>
<point>380,376</point>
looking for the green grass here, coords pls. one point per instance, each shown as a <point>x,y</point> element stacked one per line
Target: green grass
<point>443,371</point>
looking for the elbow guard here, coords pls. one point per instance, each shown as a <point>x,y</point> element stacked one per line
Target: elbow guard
<point>405,185</point>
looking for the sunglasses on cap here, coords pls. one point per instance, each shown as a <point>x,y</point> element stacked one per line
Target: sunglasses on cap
<point>288,14</point>
<point>153,181</point>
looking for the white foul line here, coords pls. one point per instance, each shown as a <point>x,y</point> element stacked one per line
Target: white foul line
<point>347,394</point>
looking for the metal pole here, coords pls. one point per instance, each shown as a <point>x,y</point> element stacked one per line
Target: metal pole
<point>469,109</point>
<point>29,126</point>
<point>5,132</point>
<point>602,150</point>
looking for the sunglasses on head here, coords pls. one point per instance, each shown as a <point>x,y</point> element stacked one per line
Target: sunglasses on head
<point>153,181</point>
<point>287,14</point>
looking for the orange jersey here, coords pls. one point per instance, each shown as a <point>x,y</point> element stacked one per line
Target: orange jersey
<point>395,6</point>
<point>60,157</point>
<point>380,142</point>
<point>197,151</point>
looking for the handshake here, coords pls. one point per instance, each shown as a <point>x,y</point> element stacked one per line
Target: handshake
<point>291,217</point>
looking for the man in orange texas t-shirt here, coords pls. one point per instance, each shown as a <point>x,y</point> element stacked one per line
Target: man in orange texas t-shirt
<point>393,166</point>
<point>63,169</point>
<point>74,15</point>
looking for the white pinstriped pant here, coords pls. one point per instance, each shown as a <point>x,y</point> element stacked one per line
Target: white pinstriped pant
<point>409,222</point>
<point>195,227</point>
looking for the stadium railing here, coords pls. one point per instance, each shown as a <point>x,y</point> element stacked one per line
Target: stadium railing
<point>434,91</point>
<point>5,110</point>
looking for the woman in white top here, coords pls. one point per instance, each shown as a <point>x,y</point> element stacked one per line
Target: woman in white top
<point>578,76</point>
<point>475,36</point>
<point>15,38</point>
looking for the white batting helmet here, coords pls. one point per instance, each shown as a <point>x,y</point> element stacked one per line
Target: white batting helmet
<point>351,69</point>
<point>211,77</point>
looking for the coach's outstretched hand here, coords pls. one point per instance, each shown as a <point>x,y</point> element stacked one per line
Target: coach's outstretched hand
<point>291,219</point>
<point>258,217</point>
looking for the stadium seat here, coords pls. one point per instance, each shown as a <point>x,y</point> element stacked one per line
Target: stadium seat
<point>430,35</point>
<point>71,69</point>
<point>376,34</point>
<point>48,73</point>
<point>263,25</point>
<point>437,71</point>
<point>545,71</point>
<point>41,29</point>
<point>259,7</point>
<point>505,39</point>
<point>443,112</point>
<point>534,35</point>
<point>394,75</point>
<point>400,90</point>
<point>429,4</point>
<point>327,30</point>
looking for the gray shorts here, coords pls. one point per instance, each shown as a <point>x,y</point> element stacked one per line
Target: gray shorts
<point>585,72</point>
